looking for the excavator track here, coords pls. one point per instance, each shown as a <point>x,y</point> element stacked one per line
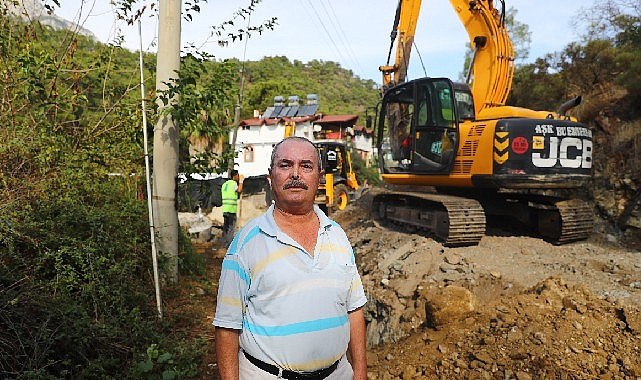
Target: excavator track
<point>566,221</point>
<point>453,220</point>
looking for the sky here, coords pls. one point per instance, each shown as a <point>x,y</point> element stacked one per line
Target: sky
<point>354,33</point>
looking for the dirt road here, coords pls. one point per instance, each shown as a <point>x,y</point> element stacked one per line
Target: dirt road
<point>513,307</point>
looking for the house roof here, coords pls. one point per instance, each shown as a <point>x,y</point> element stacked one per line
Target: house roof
<point>257,121</point>
<point>333,119</point>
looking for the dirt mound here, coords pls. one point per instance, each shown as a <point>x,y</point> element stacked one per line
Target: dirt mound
<point>513,307</point>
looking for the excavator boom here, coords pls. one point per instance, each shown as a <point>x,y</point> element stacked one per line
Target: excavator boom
<point>492,66</point>
<point>404,30</point>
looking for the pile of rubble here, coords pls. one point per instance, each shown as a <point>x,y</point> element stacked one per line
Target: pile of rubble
<point>513,307</point>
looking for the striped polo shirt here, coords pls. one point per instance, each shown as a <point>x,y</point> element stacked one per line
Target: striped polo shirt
<point>291,307</point>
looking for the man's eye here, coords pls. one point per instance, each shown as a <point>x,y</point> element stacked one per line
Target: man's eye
<point>284,165</point>
<point>307,167</point>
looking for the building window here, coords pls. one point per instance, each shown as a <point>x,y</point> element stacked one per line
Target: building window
<point>248,153</point>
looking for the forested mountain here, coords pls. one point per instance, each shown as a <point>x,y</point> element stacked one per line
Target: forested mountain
<point>76,285</point>
<point>339,90</point>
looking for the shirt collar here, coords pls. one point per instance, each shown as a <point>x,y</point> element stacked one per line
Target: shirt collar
<point>268,225</point>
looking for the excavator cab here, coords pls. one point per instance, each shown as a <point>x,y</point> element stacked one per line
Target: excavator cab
<point>418,127</point>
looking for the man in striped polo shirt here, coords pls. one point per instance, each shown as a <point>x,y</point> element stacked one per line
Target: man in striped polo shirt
<point>290,299</point>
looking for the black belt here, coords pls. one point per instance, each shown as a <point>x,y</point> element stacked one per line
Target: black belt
<point>291,375</point>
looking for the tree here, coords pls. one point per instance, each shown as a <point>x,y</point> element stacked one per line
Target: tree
<point>614,20</point>
<point>619,22</point>
<point>172,113</point>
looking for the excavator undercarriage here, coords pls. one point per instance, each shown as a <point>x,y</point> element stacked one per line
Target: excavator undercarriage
<point>453,220</point>
<point>461,221</point>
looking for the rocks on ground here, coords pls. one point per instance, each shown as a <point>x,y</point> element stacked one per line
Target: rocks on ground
<point>513,307</point>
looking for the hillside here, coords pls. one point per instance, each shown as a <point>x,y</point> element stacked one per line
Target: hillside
<point>35,10</point>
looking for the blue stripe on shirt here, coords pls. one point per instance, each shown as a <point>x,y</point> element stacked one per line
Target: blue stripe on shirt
<point>234,266</point>
<point>297,328</point>
<point>235,246</point>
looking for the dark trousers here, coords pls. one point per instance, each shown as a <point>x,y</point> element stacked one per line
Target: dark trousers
<point>229,227</point>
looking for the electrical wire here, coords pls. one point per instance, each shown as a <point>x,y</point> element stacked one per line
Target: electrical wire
<point>329,35</point>
<point>335,21</point>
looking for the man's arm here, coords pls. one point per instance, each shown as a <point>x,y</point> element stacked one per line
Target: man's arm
<point>241,178</point>
<point>356,345</point>
<point>227,352</point>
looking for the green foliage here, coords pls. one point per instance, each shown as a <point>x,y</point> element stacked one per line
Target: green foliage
<point>338,90</point>
<point>161,365</point>
<point>72,272</point>
<point>535,87</point>
<point>191,263</point>
<point>205,91</point>
<point>363,172</point>
<point>225,36</point>
<point>599,69</point>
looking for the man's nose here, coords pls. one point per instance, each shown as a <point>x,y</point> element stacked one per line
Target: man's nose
<point>295,172</point>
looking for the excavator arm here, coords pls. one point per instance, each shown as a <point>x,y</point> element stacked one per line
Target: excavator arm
<point>492,67</point>
<point>404,29</point>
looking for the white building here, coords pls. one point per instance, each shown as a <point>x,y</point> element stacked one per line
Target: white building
<point>256,137</point>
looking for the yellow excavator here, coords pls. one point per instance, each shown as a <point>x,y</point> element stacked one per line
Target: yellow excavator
<point>337,163</point>
<point>455,155</point>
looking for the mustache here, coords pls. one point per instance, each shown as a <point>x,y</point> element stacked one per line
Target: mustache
<point>295,183</point>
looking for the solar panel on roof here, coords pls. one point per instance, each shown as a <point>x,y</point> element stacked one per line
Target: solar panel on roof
<point>308,109</point>
<point>277,111</point>
<point>292,111</point>
<point>284,111</point>
<point>268,112</point>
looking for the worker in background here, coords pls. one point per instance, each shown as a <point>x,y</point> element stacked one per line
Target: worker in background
<point>406,147</point>
<point>229,192</point>
<point>290,298</point>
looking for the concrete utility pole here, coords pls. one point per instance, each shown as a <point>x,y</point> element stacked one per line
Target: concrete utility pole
<point>166,137</point>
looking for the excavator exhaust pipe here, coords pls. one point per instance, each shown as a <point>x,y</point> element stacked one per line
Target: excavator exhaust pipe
<point>568,105</point>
